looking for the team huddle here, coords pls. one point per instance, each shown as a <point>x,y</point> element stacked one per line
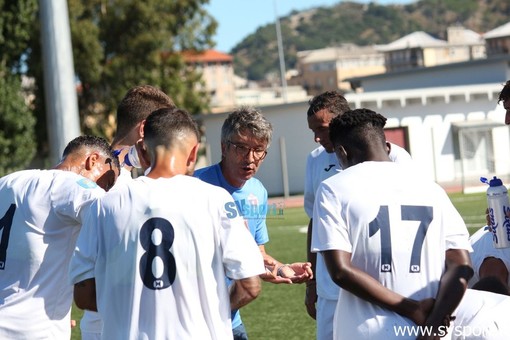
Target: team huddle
<point>147,258</point>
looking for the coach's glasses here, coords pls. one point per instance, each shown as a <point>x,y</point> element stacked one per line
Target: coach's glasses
<point>243,151</point>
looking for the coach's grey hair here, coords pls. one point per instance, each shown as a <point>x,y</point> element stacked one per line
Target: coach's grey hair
<point>246,118</point>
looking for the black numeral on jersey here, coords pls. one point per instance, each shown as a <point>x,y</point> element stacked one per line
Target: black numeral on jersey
<point>381,223</point>
<point>5,227</point>
<point>157,265</point>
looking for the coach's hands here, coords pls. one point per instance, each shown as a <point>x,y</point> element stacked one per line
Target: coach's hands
<point>297,272</point>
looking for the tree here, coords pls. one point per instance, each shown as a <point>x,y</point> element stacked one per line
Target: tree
<point>119,44</point>
<point>17,143</point>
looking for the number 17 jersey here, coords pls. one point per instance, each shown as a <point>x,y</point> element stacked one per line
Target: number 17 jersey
<point>397,227</point>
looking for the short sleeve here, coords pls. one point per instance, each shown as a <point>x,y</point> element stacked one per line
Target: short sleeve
<point>456,234</point>
<point>241,255</point>
<point>85,253</point>
<point>330,230</point>
<point>309,194</point>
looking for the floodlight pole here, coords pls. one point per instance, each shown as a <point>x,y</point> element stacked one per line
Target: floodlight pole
<point>280,53</point>
<point>62,116</point>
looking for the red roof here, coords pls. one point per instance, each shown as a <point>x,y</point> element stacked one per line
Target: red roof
<point>205,56</point>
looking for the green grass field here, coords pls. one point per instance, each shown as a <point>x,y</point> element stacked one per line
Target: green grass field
<point>279,312</point>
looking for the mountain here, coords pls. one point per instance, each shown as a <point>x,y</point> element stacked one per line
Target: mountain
<point>256,56</point>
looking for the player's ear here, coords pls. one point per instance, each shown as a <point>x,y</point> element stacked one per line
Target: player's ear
<point>140,128</point>
<point>388,147</point>
<point>91,161</point>
<point>342,156</point>
<point>143,154</point>
<point>193,155</point>
<point>192,160</point>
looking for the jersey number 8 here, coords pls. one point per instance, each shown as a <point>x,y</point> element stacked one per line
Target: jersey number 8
<point>157,265</point>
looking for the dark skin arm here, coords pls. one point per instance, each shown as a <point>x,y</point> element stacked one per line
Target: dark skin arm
<point>452,286</point>
<point>366,287</point>
<point>85,294</point>
<point>424,312</point>
<point>311,287</point>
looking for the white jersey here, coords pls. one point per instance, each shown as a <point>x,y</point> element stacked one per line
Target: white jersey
<point>159,251</point>
<point>91,324</point>
<point>483,247</point>
<point>41,213</point>
<point>321,165</point>
<point>481,315</point>
<point>397,228</point>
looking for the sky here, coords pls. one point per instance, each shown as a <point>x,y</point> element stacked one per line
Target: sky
<point>239,18</point>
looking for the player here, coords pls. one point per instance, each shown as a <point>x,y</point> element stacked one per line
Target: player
<point>392,240</point>
<point>504,96</point>
<point>245,137</point>
<point>132,111</point>
<point>481,315</point>
<point>487,260</point>
<point>320,165</point>
<point>41,212</point>
<point>159,247</point>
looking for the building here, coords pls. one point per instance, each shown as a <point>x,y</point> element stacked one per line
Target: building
<point>264,96</point>
<point>326,69</point>
<point>217,73</point>
<point>498,40</point>
<point>447,117</point>
<point>420,49</point>
<point>480,71</point>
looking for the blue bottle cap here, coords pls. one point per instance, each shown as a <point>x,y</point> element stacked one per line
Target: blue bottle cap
<point>495,182</point>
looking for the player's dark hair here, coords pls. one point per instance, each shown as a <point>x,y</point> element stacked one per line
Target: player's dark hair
<point>357,128</point>
<point>168,125</point>
<point>492,284</point>
<point>93,142</point>
<point>332,101</point>
<point>505,92</point>
<point>137,104</point>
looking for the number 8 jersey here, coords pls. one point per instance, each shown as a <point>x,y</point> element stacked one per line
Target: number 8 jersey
<point>159,250</point>
<point>397,227</point>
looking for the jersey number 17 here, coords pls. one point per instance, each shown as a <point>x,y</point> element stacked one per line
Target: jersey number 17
<point>423,214</point>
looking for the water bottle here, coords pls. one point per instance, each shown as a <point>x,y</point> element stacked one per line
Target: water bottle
<point>131,157</point>
<point>497,200</point>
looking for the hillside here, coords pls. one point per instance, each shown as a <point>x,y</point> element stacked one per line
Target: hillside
<point>362,24</point>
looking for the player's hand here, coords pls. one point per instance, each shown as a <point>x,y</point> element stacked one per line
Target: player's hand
<point>422,312</point>
<point>311,298</point>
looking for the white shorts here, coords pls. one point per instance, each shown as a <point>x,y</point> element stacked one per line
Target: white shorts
<point>90,336</point>
<point>91,326</point>
<point>324,317</point>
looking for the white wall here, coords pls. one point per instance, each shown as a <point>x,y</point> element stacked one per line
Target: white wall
<point>428,114</point>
